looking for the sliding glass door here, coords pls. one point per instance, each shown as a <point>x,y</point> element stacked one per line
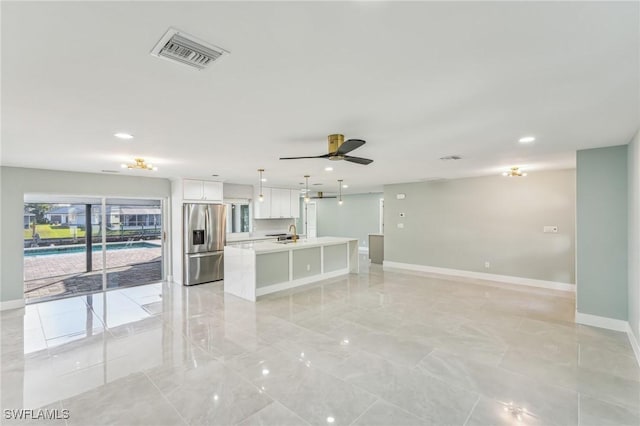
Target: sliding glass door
<point>80,245</point>
<point>134,242</point>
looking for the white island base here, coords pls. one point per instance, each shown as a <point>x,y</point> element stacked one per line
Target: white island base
<point>259,268</point>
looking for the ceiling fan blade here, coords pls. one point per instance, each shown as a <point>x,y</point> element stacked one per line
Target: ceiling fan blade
<point>298,158</point>
<point>357,160</point>
<point>349,145</point>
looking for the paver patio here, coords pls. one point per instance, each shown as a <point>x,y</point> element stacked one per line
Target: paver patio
<point>62,275</point>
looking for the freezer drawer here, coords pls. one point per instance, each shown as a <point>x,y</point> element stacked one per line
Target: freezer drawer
<point>203,267</point>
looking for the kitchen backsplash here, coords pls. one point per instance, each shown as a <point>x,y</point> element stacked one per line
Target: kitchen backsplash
<point>271,225</point>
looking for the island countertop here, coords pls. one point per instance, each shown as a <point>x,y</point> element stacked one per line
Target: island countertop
<point>257,268</point>
<point>272,246</point>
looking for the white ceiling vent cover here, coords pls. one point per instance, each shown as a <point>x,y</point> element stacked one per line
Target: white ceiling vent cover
<point>186,49</point>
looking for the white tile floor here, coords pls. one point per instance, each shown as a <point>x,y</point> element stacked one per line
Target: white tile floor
<point>379,348</point>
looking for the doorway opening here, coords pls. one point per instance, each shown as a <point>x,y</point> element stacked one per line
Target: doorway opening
<point>311,219</point>
<point>81,245</point>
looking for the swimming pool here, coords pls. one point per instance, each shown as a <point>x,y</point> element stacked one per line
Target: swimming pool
<point>48,251</point>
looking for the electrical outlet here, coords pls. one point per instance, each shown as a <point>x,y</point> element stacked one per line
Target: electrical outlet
<point>400,225</point>
<point>487,265</point>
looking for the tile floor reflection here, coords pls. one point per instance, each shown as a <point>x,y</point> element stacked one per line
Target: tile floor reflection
<point>379,348</point>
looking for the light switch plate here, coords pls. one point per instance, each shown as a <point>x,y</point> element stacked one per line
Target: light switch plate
<point>400,196</point>
<point>401,225</point>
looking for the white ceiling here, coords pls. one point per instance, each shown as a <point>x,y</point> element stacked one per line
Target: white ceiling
<point>417,81</point>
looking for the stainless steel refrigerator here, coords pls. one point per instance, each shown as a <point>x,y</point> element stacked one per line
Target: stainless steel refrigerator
<point>204,239</point>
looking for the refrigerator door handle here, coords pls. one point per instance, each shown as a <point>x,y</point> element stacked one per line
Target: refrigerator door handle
<point>207,219</point>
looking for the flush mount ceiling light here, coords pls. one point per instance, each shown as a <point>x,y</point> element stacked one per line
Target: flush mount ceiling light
<point>340,191</point>
<point>526,139</point>
<point>139,164</point>
<point>514,172</point>
<point>261,197</point>
<point>125,136</point>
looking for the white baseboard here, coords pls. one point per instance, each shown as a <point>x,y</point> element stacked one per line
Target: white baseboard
<point>12,304</point>
<point>482,276</point>
<point>611,324</point>
<point>602,322</point>
<point>634,343</point>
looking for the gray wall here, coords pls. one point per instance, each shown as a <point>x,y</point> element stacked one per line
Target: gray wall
<point>357,217</point>
<point>602,232</point>
<point>633,155</point>
<point>15,182</point>
<point>463,223</point>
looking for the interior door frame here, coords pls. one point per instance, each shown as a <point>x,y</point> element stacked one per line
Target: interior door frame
<point>306,217</point>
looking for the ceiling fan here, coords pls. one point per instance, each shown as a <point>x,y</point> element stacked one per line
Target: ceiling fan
<point>320,196</point>
<point>338,149</point>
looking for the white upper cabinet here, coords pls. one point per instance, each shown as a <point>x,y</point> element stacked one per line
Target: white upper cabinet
<point>277,203</point>
<point>280,203</point>
<point>211,190</point>
<point>201,190</point>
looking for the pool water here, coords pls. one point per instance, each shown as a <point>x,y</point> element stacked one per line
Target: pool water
<point>47,251</point>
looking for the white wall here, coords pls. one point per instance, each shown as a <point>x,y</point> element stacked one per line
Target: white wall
<point>15,182</point>
<point>235,191</point>
<point>633,169</point>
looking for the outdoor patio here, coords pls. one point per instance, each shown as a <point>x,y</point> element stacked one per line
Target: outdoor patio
<point>63,275</point>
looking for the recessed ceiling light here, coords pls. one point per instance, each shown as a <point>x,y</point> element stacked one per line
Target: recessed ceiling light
<point>263,179</point>
<point>526,139</point>
<point>125,136</point>
<point>328,169</point>
<point>345,186</point>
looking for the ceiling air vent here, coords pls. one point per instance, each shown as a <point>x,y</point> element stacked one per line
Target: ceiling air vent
<point>451,157</point>
<point>186,49</point>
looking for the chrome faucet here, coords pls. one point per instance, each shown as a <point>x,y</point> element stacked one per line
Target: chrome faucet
<point>295,232</point>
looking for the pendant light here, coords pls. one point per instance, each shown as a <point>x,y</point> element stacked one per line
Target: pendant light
<point>340,191</point>
<point>306,188</point>
<point>261,197</point>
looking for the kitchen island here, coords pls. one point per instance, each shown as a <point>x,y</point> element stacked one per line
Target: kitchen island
<point>258,268</point>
